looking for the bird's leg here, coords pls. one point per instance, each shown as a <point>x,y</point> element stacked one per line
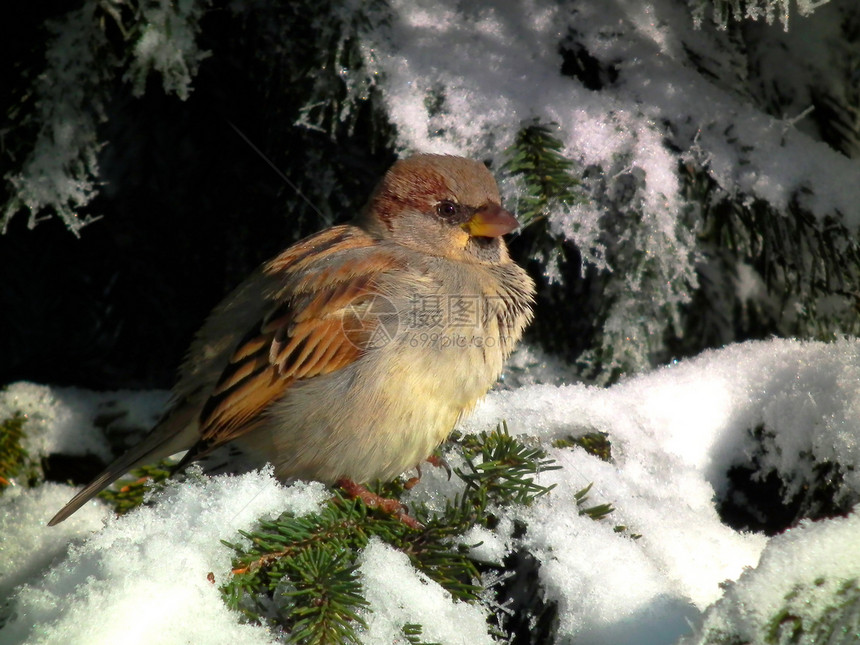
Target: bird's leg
<point>372,500</point>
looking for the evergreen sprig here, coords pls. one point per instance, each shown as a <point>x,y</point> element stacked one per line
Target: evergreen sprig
<point>594,443</point>
<point>596,512</point>
<point>326,590</point>
<point>544,182</point>
<point>15,461</point>
<point>812,613</point>
<point>128,493</point>
<point>725,11</point>
<point>548,177</point>
<point>808,267</point>
<point>500,468</point>
<point>299,573</point>
<point>412,633</point>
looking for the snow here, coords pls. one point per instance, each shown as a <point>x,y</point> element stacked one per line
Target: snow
<point>61,420</point>
<point>822,556</point>
<point>399,595</point>
<point>141,578</point>
<point>675,432</point>
<point>27,548</point>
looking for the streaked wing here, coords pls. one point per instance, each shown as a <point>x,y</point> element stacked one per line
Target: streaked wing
<point>309,330</point>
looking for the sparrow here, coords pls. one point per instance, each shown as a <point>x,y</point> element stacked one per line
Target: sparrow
<point>351,355</point>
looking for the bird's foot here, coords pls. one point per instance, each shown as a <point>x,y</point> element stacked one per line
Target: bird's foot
<point>385,504</point>
<point>433,460</point>
<point>439,462</point>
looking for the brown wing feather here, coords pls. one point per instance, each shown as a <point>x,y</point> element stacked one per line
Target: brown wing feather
<point>302,335</point>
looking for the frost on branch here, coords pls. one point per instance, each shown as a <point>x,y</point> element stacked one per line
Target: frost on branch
<point>715,204</point>
<point>769,10</point>
<point>167,44</point>
<point>60,172</point>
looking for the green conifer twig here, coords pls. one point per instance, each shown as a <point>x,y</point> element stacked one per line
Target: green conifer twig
<point>300,572</point>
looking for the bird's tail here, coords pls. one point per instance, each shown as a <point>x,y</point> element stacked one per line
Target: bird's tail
<point>164,440</point>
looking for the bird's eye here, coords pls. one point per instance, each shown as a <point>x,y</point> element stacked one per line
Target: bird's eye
<point>446,208</point>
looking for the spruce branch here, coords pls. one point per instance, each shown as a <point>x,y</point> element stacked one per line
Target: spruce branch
<point>15,461</point>
<point>824,610</point>
<point>808,268</point>
<point>501,468</point>
<point>594,443</point>
<point>128,493</point>
<point>724,11</point>
<point>300,573</point>
<point>412,633</point>
<point>536,158</point>
<point>326,595</point>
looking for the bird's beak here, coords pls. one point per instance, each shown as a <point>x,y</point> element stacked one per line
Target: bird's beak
<point>490,220</point>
